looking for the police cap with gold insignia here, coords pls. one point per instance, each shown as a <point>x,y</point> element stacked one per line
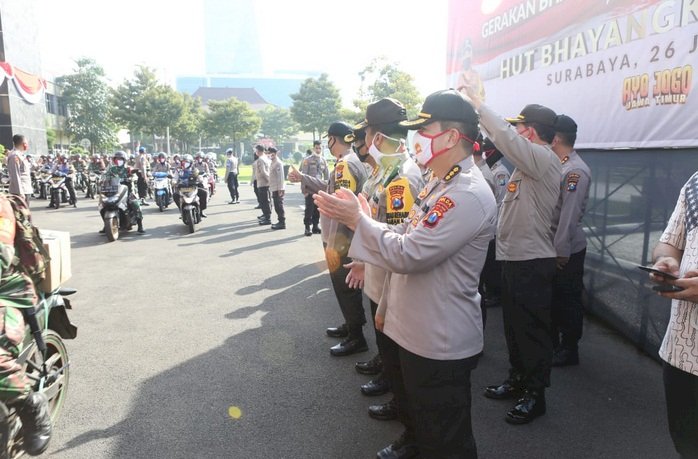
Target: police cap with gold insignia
<point>384,111</point>
<point>445,105</point>
<point>534,113</point>
<point>338,129</point>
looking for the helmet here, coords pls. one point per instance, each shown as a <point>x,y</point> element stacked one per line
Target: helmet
<point>141,149</point>
<point>228,151</point>
<point>175,157</point>
<point>187,159</point>
<point>119,155</point>
<point>162,155</point>
<point>210,156</point>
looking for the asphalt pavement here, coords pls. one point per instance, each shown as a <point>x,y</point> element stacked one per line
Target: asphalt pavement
<point>212,345</point>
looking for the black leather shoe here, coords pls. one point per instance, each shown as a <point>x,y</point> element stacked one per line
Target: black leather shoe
<point>384,411</point>
<point>371,367</point>
<point>503,391</point>
<point>338,332</point>
<point>316,230</point>
<point>375,387</point>
<point>349,346</point>
<point>258,207</point>
<point>265,222</point>
<point>307,231</point>
<point>36,423</point>
<point>278,226</point>
<point>564,357</point>
<point>404,447</point>
<point>527,408</point>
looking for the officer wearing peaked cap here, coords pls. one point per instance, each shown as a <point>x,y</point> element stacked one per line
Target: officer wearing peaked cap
<point>433,321</point>
<point>313,165</point>
<point>525,244</point>
<point>348,173</point>
<point>570,245</point>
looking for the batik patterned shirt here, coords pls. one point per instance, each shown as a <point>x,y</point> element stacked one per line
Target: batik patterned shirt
<point>679,348</point>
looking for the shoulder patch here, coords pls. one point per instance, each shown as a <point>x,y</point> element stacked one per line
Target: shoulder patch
<point>572,180</point>
<point>442,205</point>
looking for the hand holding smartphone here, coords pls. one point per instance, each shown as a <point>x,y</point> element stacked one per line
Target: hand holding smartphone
<point>664,286</point>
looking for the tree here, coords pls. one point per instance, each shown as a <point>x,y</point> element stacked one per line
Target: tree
<point>187,130</point>
<point>316,105</point>
<point>380,79</point>
<point>86,96</point>
<point>277,124</point>
<point>164,107</point>
<point>50,138</point>
<point>128,107</point>
<point>230,121</point>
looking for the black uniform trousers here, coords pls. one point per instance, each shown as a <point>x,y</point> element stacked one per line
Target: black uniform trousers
<point>311,215</point>
<point>263,198</point>
<point>526,297</point>
<point>350,299</point>
<point>256,193</point>
<point>433,400</point>
<point>279,205</point>
<point>681,392</point>
<point>233,187</point>
<point>567,309</point>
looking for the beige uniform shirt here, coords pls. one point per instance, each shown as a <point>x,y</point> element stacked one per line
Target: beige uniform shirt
<point>435,259</point>
<point>261,171</point>
<point>680,347</point>
<point>19,172</point>
<point>276,175</point>
<point>390,203</point>
<point>524,230</point>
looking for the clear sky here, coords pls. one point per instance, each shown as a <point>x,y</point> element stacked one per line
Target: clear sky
<point>339,38</point>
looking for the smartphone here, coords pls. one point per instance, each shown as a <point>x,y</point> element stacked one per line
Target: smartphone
<point>667,288</point>
<point>658,272</point>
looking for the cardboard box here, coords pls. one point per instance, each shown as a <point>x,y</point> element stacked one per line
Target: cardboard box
<point>57,244</point>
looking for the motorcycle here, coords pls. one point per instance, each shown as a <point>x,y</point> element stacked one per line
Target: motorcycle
<point>209,184</point>
<point>92,180</point>
<point>114,207</point>
<point>44,184</point>
<point>4,181</point>
<point>80,180</point>
<point>44,358</point>
<point>162,189</point>
<point>189,203</point>
<point>59,190</point>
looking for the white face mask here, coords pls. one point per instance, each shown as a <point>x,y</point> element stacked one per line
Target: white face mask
<point>119,162</point>
<point>382,159</point>
<point>187,165</point>
<point>423,147</point>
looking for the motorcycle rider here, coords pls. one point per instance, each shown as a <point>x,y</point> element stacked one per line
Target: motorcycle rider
<point>161,164</point>
<point>63,166</point>
<point>96,166</point>
<point>204,168</point>
<point>119,169</point>
<point>188,171</point>
<point>17,293</point>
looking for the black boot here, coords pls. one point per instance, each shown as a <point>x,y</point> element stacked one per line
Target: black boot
<point>279,226</point>
<point>307,230</point>
<point>140,227</point>
<point>316,229</point>
<point>36,423</point>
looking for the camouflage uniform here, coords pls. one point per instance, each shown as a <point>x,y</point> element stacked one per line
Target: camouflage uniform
<point>16,292</point>
<point>123,173</point>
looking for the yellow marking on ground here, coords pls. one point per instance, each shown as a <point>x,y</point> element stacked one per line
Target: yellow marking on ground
<point>235,412</point>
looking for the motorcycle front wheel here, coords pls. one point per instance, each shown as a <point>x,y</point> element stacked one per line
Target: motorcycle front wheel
<point>57,363</point>
<point>190,221</point>
<point>111,228</point>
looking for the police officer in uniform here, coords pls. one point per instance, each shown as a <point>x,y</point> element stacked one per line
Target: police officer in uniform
<point>491,279</point>
<point>313,165</point>
<point>261,173</point>
<point>570,245</point>
<point>350,173</point>
<point>390,190</point>
<point>525,244</point>
<point>432,324</point>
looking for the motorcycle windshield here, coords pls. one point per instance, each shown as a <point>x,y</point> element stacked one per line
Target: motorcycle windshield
<point>110,185</point>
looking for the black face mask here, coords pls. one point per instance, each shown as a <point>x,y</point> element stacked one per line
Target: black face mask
<point>357,150</point>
